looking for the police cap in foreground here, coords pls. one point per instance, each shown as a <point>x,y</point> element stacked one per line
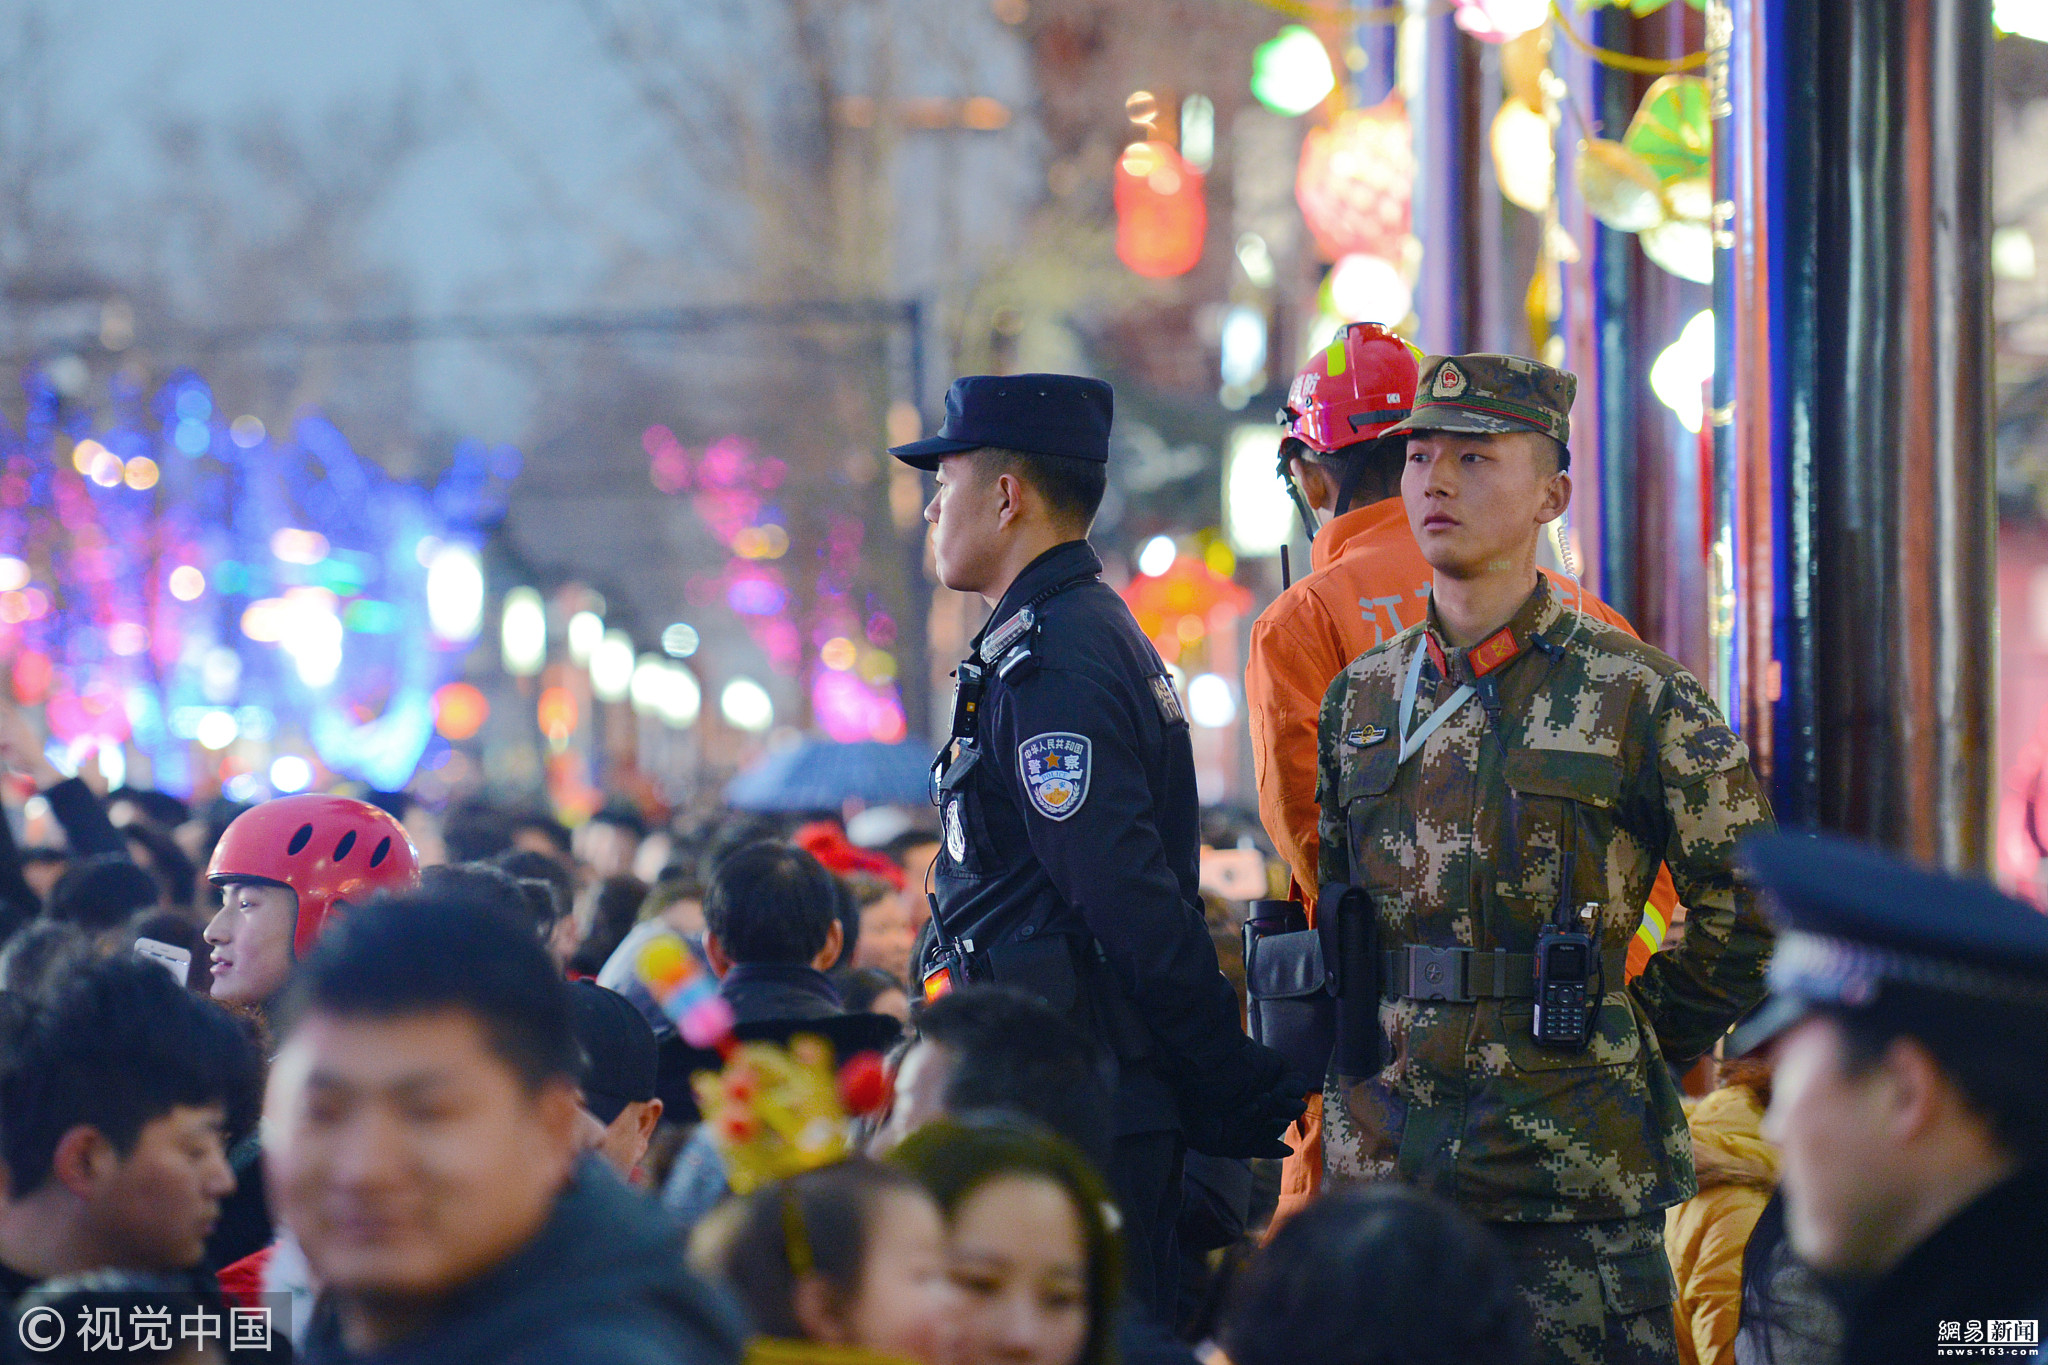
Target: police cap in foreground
<point>1863,932</point>
<point>1908,1030</point>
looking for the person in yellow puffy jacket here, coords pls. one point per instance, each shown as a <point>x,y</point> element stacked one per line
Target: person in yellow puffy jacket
<point>1705,1236</point>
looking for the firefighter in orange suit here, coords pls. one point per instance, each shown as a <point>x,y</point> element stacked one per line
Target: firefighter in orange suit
<point>1368,581</point>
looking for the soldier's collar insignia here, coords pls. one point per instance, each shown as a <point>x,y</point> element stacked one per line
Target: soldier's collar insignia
<point>1437,658</point>
<point>1366,736</point>
<point>1492,652</point>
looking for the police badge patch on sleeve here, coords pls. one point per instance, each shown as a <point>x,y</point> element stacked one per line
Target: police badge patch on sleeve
<point>1168,699</point>
<point>1054,769</point>
<point>956,834</point>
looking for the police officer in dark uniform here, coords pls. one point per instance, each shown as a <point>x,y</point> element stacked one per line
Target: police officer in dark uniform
<point>1068,807</point>
<point>1908,1030</point>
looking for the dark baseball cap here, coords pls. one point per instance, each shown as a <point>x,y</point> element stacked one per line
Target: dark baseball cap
<point>619,1056</point>
<point>1042,414</point>
<point>1863,931</point>
<point>1495,393</point>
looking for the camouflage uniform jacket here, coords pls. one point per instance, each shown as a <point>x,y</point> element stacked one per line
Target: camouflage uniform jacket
<point>1605,746</point>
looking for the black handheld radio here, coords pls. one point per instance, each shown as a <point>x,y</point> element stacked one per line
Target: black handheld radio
<point>1565,966</point>
<point>1567,959</point>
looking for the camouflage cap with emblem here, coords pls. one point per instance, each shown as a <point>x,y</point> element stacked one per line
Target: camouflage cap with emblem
<point>1493,393</point>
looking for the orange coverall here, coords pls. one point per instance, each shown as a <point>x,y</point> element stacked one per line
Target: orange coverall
<point>1367,582</point>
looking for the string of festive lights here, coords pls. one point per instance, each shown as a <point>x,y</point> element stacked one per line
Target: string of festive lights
<point>1305,12</point>
<point>232,605</point>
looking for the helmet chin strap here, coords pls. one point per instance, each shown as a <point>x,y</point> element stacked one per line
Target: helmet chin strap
<point>1311,521</point>
<point>1347,489</point>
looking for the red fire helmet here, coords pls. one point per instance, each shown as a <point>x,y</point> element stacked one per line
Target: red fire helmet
<point>1353,389</point>
<point>330,850</point>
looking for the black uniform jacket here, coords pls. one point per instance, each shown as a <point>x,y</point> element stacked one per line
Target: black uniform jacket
<point>1987,1264</point>
<point>1075,838</point>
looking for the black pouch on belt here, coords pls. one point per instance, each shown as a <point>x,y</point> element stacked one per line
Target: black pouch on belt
<point>1042,966</point>
<point>1360,1046</point>
<point>1291,984</point>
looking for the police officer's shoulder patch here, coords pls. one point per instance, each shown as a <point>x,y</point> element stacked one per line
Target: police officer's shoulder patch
<point>1168,700</point>
<point>1054,770</point>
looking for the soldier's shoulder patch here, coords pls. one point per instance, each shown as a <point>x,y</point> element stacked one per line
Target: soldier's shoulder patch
<point>1693,741</point>
<point>1054,770</point>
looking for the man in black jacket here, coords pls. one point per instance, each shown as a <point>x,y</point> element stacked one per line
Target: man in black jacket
<point>771,930</point>
<point>1908,1021</point>
<point>424,1151</point>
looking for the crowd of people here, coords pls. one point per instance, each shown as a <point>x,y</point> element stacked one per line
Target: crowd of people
<point>471,1149</point>
<point>343,1079</point>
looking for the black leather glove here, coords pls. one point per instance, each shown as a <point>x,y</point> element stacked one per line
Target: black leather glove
<point>1252,1127</point>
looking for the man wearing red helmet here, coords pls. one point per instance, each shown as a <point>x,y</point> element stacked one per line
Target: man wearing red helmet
<point>1368,582</point>
<point>284,868</point>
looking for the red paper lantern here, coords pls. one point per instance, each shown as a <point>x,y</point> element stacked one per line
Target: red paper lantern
<point>1161,214</point>
<point>460,711</point>
<point>556,712</point>
<point>1356,180</point>
<point>1190,589</point>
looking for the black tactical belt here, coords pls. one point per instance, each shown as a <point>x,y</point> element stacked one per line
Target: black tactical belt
<point>1417,972</point>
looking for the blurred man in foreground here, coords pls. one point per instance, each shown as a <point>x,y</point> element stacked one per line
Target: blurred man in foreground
<point>423,1147</point>
<point>1908,1019</point>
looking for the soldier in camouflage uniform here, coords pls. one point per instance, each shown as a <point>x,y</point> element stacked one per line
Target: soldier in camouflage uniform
<point>1584,758</point>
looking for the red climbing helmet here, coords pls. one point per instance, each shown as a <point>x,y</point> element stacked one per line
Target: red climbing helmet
<point>1353,389</point>
<point>330,850</point>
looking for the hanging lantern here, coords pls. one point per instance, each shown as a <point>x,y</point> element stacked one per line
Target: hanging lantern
<point>1355,182</point>
<point>1671,131</point>
<point>1161,216</point>
<point>1618,186</point>
<point>1367,289</point>
<point>1499,21</point>
<point>1184,598</point>
<point>1524,163</point>
<point>1291,73</point>
<point>1656,182</point>
<point>1672,135</point>
<point>1523,62</point>
<point>1683,247</point>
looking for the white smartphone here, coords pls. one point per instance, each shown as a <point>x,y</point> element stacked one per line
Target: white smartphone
<point>177,961</point>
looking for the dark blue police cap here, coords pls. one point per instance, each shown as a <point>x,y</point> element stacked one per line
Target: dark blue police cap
<point>1044,414</point>
<point>1853,921</point>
